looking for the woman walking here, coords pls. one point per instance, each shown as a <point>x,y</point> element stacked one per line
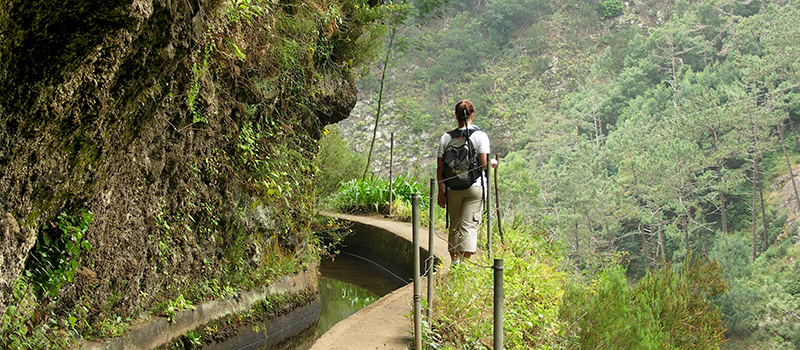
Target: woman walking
<point>463,203</point>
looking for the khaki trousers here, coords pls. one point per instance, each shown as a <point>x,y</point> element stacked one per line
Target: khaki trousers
<point>464,208</point>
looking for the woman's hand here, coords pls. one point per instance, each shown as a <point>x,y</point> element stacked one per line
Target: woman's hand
<point>441,200</point>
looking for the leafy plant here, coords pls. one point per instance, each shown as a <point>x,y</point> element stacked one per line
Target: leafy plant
<point>372,195</point>
<point>193,339</point>
<point>54,259</point>
<point>171,307</point>
<point>194,91</point>
<point>110,326</point>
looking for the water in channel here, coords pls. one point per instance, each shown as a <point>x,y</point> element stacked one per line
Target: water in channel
<point>347,284</point>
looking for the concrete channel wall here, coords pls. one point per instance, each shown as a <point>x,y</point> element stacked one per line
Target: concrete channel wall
<point>381,325</point>
<point>390,254</point>
<point>158,331</point>
<point>384,324</point>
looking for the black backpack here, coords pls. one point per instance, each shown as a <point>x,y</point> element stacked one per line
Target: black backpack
<point>460,160</point>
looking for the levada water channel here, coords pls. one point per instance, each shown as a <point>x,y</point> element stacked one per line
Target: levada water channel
<point>347,284</point>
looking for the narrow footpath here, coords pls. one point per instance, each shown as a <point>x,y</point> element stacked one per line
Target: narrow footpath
<point>385,324</point>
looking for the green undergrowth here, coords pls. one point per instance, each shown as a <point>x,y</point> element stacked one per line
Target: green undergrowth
<point>22,328</point>
<point>462,311</point>
<point>760,310</point>
<point>669,308</point>
<point>30,320</point>
<point>257,318</point>
<point>546,307</point>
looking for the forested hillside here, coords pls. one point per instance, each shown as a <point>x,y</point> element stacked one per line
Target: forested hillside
<point>637,133</point>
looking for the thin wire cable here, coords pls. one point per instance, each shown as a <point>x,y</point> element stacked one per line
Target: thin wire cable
<point>469,261</point>
<point>428,267</point>
<point>451,248</point>
<point>479,168</point>
<point>376,264</point>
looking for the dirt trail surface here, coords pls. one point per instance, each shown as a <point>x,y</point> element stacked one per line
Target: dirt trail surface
<point>385,324</point>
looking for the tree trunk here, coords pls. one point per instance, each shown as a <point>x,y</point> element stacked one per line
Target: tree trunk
<point>788,164</point>
<point>644,249</point>
<point>653,246</point>
<point>763,212</point>
<point>753,211</point>
<point>722,204</point>
<point>796,139</point>
<point>577,238</point>
<point>380,100</point>
<point>685,226</point>
<point>661,236</point>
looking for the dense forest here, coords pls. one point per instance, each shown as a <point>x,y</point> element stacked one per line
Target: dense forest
<point>638,134</point>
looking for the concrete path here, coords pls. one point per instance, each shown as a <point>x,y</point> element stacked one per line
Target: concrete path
<point>387,323</point>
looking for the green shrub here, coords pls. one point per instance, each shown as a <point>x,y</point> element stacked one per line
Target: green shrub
<point>21,329</point>
<point>607,314</point>
<point>736,308</point>
<point>681,302</point>
<point>611,8</point>
<point>793,288</point>
<point>336,163</point>
<point>667,309</point>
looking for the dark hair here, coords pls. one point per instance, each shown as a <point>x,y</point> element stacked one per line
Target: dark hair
<point>464,109</point>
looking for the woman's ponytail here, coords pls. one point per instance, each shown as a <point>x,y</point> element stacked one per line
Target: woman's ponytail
<point>464,110</point>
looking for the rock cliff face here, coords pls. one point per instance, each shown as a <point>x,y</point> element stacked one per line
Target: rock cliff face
<point>187,127</point>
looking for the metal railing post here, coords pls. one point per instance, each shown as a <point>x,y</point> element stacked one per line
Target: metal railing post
<point>417,302</point>
<point>430,248</point>
<point>498,304</point>
<point>391,182</point>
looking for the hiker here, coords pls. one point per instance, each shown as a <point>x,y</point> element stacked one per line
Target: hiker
<point>462,190</point>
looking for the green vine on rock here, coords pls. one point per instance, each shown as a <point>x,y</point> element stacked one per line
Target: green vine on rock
<point>54,259</point>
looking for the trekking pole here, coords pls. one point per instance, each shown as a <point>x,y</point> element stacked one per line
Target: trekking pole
<point>488,213</point>
<point>446,210</point>
<point>497,202</point>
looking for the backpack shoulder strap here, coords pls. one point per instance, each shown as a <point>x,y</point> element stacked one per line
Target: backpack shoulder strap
<point>456,133</point>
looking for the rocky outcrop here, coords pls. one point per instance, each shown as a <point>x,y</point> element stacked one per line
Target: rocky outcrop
<point>14,246</point>
<point>151,114</point>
